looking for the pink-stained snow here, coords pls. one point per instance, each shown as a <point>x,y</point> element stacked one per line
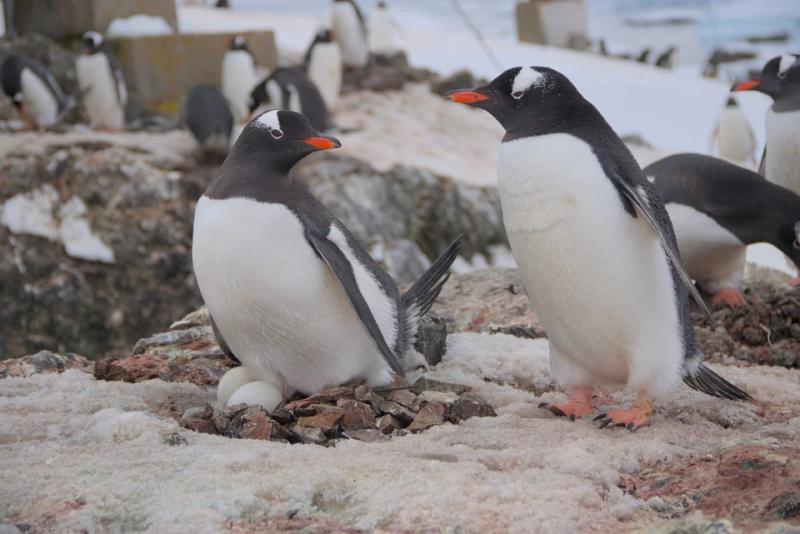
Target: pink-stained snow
<point>83,454</point>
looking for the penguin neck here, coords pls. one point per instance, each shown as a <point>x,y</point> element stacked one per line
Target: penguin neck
<point>787,103</point>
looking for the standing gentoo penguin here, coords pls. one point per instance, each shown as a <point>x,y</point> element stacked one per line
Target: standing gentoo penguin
<point>717,209</point>
<point>238,77</point>
<point>594,246</point>
<point>102,84</point>
<point>780,79</point>
<point>350,33</point>
<point>733,138</point>
<point>289,88</point>
<point>206,114</point>
<point>298,300</point>
<point>33,90</point>
<point>323,62</point>
<point>665,60</point>
<point>381,31</point>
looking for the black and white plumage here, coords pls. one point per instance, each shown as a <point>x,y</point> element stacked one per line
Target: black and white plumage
<point>323,64</point>
<point>208,117</point>
<point>289,88</point>
<point>102,84</point>
<point>238,77</point>
<point>733,138</point>
<point>350,32</point>
<point>34,91</point>
<point>297,299</point>
<point>593,242</point>
<point>664,60</point>
<point>717,209</point>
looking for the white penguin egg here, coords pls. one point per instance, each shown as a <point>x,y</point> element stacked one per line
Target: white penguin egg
<point>231,381</point>
<point>257,393</point>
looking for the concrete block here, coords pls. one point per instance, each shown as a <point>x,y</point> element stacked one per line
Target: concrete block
<point>552,22</point>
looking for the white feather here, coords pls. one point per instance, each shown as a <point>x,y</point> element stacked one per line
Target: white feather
<point>41,104</point>
<point>98,87</point>
<point>349,35</point>
<point>783,149</point>
<point>238,79</point>
<point>270,120</point>
<point>734,138</point>
<point>381,32</point>
<point>325,70</point>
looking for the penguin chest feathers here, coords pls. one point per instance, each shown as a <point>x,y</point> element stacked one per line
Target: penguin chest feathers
<point>100,92</point>
<point>41,104</point>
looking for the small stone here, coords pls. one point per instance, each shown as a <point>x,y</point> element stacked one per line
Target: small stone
<point>362,393</point>
<point>442,397</point>
<point>325,420</point>
<point>387,424</point>
<point>431,414</point>
<point>332,394</point>
<point>470,405</point>
<point>204,426</point>
<point>392,408</point>
<point>431,338</point>
<point>283,416</point>
<point>426,384</point>
<point>173,439</point>
<point>404,397</point>
<point>357,415</point>
<point>252,423</point>
<point>310,435</point>
<point>369,435</point>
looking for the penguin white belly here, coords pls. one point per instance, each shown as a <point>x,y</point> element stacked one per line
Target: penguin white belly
<point>711,254</point>
<point>238,79</point>
<point>597,277</point>
<point>734,137</point>
<point>98,87</point>
<point>325,70</point>
<point>349,35</point>
<point>40,104</point>
<point>278,305</point>
<point>783,149</point>
<point>381,35</point>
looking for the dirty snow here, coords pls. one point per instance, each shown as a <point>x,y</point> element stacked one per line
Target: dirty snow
<point>76,234</point>
<point>139,26</point>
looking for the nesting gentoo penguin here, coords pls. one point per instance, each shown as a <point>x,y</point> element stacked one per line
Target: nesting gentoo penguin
<point>350,33</point>
<point>323,62</point>
<point>733,138</point>
<point>289,88</point>
<point>780,79</point>
<point>238,77</point>
<point>381,31</point>
<point>208,117</point>
<point>296,298</point>
<point>717,209</point>
<point>33,91</point>
<point>102,84</point>
<point>594,246</point>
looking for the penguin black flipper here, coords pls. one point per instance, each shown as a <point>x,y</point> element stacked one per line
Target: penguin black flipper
<point>762,167</point>
<point>333,256</point>
<point>221,342</point>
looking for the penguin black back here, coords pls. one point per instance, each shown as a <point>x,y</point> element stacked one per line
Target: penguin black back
<point>281,84</point>
<point>207,115</point>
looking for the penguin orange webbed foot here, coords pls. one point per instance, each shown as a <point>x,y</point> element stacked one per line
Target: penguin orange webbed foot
<point>579,405</point>
<point>728,297</point>
<point>634,418</point>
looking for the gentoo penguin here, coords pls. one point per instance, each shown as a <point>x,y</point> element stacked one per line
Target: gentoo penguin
<point>323,62</point>
<point>733,138</point>
<point>381,31</point>
<point>102,84</point>
<point>642,58</point>
<point>297,299</point>
<point>289,88</point>
<point>665,60</point>
<point>780,79</point>
<point>207,115</point>
<point>594,246</point>
<point>717,209</point>
<point>33,90</point>
<point>238,77</point>
<point>350,33</point>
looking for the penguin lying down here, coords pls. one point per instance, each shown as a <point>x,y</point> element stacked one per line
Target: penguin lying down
<point>595,248</point>
<point>290,291</point>
<point>717,209</point>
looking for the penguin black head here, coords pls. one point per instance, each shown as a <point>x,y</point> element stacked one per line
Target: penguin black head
<point>260,96</point>
<point>92,43</point>
<point>382,5</point>
<point>780,77</point>
<point>11,74</point>
<point>238,43</point>
<point>324,36</point>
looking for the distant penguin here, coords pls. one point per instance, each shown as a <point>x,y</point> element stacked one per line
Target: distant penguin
<point>102,84</point>
<point>602,48</point>
<point>595,248</point>
<point>717,209</point>
<point>350,33</point>
<point>643,56</point>
<point>382,31</point>
<point>665,60</point>
<point>780,79</point>
<point>33,91</point>
<point>323,62</point>
<point>733,139</point>
<point>289,88</point>
<point>208,117</point>
<point>238,77</point>
<point>292,293</point>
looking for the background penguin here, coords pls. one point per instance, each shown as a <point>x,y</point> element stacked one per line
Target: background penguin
<point>733,138</point>
<point>350,33</point>
<point>206,114</point>
<point>289,88</point>
<point>665,59</point>
<point>34,92</point>
<point>238,77</point>
<point>780,79</point>
<point>323,62</point>
<point>717,209</point>
<point>298,300</point>
<point>594,246</point>
<point>102,84</point>
<point>381,31</point>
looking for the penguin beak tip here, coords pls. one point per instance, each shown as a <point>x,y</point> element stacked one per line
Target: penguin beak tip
<point>323,142</point>
<point>748,85</point>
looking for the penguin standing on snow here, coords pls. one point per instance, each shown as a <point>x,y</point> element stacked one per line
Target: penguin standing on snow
<point>733,138</point>
<point>664,60</point>
<point>780,79</point>
<point>323,63</point>
<point>298,300</point>
<point>350,33</point>
<point>381,31</point>
<point>595,248</point>
<point>717,209</point>
<point>207,115</point>
<point>238,77</point>
<point>34,92</point>
<point>102,84</point>
<point>289,88</point>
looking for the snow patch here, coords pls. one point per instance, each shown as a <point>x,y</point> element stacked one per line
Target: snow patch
<point>139,26</point>
<point>76,234</point>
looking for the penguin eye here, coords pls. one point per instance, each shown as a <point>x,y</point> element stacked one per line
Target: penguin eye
<point>783,74</point>
<point>517,94</point>
<point>277,134</point>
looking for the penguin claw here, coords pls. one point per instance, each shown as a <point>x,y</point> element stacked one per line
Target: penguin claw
<point>633,419</point>
<point>601,415</point>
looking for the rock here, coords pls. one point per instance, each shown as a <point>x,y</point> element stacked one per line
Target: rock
<point>426,384</point>
<point>402,259</point>
<point>255,423</point>
<point>310,435</point>
<point>333,394</point>
<point>431,414</point>
<point>442,397</point>
<point>357,415</point>
<point>405,398</point>
<point>362,393</point>
<point>431,338</point>
<point>387,424</point>
<point>469,405</point>
<point>404,415</point>
<point>369,435</point>
<point>384,73</point>
<point>326,420</point>
<point>131,369</point>
<point>199,419</point>
<point>44,361</point>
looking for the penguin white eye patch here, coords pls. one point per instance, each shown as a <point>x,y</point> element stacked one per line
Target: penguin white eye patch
<point>524,80</point>
<point>787,61</point>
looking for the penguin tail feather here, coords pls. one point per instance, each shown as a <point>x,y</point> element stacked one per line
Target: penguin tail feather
<point>419,298</point>
<point>707,381</point>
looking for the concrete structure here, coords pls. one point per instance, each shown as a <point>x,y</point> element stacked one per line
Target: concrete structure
<point>553,22</point>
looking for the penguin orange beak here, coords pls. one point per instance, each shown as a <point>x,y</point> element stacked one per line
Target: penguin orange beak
<point>749,85</point>
<point>323,142</point>
<point>466,96</point>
